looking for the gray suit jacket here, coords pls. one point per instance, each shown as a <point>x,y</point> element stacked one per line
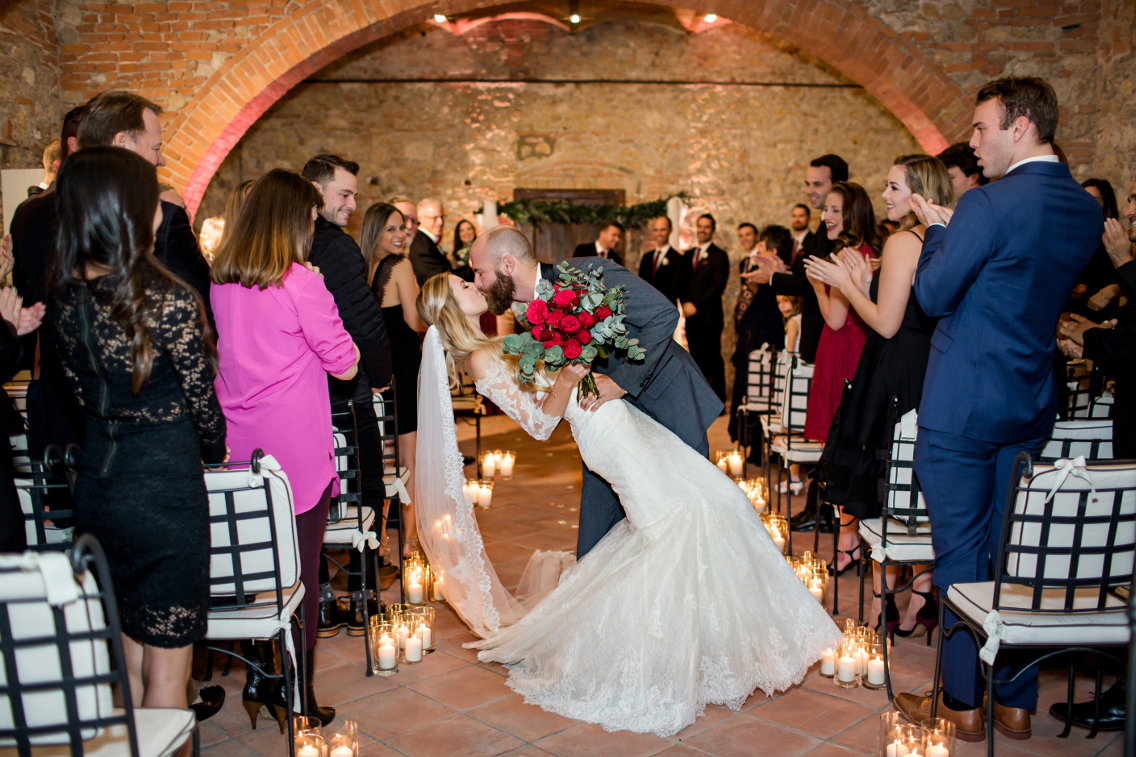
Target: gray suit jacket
<point>667,385</point>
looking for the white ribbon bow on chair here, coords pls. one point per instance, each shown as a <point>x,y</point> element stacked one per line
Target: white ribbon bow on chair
<point>1074,467</point>
<point>995,635</point>
<point>361,540</point>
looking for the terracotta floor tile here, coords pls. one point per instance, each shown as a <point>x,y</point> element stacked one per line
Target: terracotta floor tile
<point>874,698</point>
<point>210,734</point>
<point>456,649</point>
<point>465,688</point>
<point>346,683</point>
<point>564,540</point>
<point>454,736</point>
<point>377,749</point>
<point>679,750</point>
<point>814,713</point>
<point>231,748</point>
<point>393,712</point>
<point>740,736</point>
<point>525,721</point>
<point>864,736</point>
<point>713,716</point>
<point>266,741</point>
<point>514,529</point>
<point>828,749</point>
<point>587,740</point>
<point>344,647</point>
<point>433,664</point>
<point>528,750</point>
<point>507,551</point>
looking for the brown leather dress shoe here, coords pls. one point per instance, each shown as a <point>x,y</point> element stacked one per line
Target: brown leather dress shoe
<point>1013,722</point>
<point>968,723</point>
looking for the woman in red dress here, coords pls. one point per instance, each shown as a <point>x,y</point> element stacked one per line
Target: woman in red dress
<point>851,222</point>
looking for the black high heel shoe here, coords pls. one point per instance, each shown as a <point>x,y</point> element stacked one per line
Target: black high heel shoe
<point>279,698</point>
<point>926,618</point>
<point>891,615</point>
<point>852,561</point>
<point>258,689</point>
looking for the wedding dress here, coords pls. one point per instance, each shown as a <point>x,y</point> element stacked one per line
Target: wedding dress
<point>686,602</point>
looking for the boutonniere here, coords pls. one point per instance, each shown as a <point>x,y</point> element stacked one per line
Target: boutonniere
<point>705,254</point>
<point>666,261</point>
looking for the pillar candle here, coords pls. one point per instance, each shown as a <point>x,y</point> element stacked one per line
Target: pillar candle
<point>438,587</point>
<point>816,591</point>
<point>778,541</point>
<point>484,496</point>
<point>507,463</point>
<point>876,674</point>
<point>488,465</point>
<point>414,593</point>
<point>388,656</point>
<point>413,649</point>
<point>722,465</point>
<point>736,462</point>
<point>343,751</point>
<point>426,635</point>
<point>828,662</point>
<point>938,750</point>
<point>307,750</point>
<point>897,749</point>
<point>846,669</point>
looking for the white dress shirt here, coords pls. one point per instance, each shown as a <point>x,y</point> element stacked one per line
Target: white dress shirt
<point>1035,159</point>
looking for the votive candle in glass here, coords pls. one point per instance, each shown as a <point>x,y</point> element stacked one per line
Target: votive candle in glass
<point>508,460</point>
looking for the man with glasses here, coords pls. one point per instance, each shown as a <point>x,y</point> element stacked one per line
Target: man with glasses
<point>425,257</point>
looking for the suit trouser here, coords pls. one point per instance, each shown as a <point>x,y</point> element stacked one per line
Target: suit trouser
<point>965,482</point>
<point>705,347</point>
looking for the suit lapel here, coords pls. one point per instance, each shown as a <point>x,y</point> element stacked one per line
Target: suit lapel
<point>548,271</point>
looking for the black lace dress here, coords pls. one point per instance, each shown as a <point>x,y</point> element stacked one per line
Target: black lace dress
<point>140,489</point>
<point>406,349</point>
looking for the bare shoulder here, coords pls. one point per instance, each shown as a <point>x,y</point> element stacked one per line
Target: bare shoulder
<point>903,243</point>
<point>479,364</point>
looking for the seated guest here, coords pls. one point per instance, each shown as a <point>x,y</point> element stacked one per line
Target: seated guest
<point>660,266</point>
<point>989,393</point>
<point>464,235</point>
<point>892,366</point>
<point>134,343</point>
<point>425,255</point>
<point>705,272</point>
<point>1097,294</point>
<point>606,243</point>
<point>962,165</point>
<point>280,337</point>
<point>395,290</point>
<point>849,223</point>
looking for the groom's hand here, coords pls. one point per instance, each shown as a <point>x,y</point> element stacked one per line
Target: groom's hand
<point>609,390</point>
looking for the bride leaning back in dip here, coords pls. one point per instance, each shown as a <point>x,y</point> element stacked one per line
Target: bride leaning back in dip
<point>685,603</point>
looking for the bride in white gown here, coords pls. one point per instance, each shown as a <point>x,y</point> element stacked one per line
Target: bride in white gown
<point>686,602</point>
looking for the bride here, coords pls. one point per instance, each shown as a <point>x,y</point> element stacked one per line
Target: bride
<point>686,602</point>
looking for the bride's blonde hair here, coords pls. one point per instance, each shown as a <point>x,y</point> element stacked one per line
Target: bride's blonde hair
<point>437,307</point>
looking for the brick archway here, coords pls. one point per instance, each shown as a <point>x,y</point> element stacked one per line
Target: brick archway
<point>890,67</point>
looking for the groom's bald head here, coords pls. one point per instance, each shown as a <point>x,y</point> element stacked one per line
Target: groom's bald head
<point>500,241</point>
<point>504,266</point>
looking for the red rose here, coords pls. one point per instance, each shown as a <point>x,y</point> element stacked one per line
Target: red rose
<point>554,318</point>
<point>603,311</point>
<point>583,336</point>
<point>572,349</point>
<point>537,312</point>
<point>570,324</point>
<point>564,298</point>
<point>587,320</point>
<point>555,341</point>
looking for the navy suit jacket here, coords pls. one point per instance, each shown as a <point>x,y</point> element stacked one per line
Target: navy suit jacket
<point>997,277</point>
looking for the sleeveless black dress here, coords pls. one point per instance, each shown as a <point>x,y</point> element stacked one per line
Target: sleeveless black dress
<point>406,349</point>
<point>858,441</point>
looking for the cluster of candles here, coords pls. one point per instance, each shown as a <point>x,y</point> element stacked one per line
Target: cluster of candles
<point>479,492</point>
<point>778,528</point>
<point>858,661</point>
<point>311,741</point>
<point>812,572</point>
<point>403,635</point>
<point>898,738</point>
<point>756,491</point>
<point>423,583</point>
<point>730,462</point>
<point>496,462</point>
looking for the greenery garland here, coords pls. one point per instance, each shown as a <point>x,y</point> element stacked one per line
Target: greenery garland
<point>563,211</point>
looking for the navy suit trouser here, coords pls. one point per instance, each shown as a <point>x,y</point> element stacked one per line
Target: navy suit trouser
<point>965,482</point>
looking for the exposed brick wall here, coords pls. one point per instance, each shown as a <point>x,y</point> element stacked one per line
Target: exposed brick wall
<point>29,83</point>
<point>1115,122</point>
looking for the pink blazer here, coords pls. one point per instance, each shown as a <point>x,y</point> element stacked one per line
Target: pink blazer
<point>276,348</point>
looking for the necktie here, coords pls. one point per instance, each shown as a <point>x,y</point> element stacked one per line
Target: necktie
<point>658,260</point>
<point>697,258</point>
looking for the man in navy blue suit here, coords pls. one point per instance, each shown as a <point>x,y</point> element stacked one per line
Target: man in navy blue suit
<point>996,277</point>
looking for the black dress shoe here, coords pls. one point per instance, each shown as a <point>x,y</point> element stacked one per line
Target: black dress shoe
<point>1112,711</point>
<point>467,460</point>
<point>806,520</point>
<point>331,619</point>
<point>212,697</point>
<point>375,609</point>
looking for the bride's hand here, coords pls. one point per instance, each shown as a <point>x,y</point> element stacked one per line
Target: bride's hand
<point>574,373</point>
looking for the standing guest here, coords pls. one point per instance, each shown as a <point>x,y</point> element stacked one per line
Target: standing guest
<point>803,237</point>
<point>1097,293</point>
<point>52,157</point>
<point>409,211</point>
<point>122,119</point>
<point>464,235</point>
<point>892,366</point>
<point>136,350</point>
<point>962,165</point>
<point>279,337</point>
<point>340,263</point>
<point>395,290</point>
<point>757,319</point>
<point>233,205</point>
<point>850,223</point>
<point>662,265</point>
<point>1020,242</point>
<point>606,244</point>
<point>705,272</point>
<point>425,255</point>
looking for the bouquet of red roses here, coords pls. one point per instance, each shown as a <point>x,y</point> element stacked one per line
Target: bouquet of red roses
<point>573,320</point>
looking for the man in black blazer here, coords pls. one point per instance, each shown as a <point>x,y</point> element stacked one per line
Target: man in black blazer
<point>803,237</point>
<point>605,245</point>
<point>425,256</point>
<point>660,267</point>
<point>705,272</point>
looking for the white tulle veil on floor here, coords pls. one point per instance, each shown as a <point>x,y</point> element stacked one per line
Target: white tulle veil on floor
<point>447,526</point>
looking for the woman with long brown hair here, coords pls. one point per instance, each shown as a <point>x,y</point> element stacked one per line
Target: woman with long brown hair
<point>279,336</point>
<point>137,353</point>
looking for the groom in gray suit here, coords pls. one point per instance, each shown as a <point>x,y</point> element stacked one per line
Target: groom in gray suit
<point>667,385</point>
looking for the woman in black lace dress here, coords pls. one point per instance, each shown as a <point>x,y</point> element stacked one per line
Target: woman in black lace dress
<point>384,243</point>
<point>133,343</point>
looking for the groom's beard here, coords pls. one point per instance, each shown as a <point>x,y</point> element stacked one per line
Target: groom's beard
<point>499,296</point>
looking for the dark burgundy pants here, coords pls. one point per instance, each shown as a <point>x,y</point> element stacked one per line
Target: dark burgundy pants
<point>309,533</point>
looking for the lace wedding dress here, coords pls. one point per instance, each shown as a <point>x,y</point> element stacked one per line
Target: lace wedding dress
<point>686,602</point>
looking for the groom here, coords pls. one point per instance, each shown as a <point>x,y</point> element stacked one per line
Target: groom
<point>667,385</point>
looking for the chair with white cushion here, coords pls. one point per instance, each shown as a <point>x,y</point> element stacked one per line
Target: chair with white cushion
<point>60,655</point>
<point>758,400</point>
<point>790,445</point>
<point>395,474</point>
<point>771,421</point>
<point>1090,438</point>
<point>1067,545</point>
<point>43,489</point>
<point>254,566</point>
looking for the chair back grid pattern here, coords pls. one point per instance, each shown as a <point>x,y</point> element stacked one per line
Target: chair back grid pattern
<point>56,675</point>
<point>346,464</point>
<point>1085,393</point>
<point>901,483</point>
<point>1071,533</point>
<point>253,540</point>
<point>32,489</point>
<point>385,404</point>
<point>762,370</point>
<point>798,383</point>
<point>1088,438</point>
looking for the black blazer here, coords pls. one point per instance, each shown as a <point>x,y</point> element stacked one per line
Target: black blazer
<point>176,247</point>
<point>796,283</point>
<point>703,287</point>
<point>667,277</point>
<point>588,250</point>
<point>426,259</point>
<point>806,244</point>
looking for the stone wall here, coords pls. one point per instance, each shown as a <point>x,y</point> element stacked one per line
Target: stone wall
<point>1115,126</point>
<point>30,109</point>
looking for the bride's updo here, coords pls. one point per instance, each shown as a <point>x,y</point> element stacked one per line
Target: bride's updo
<point>437,307</point>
